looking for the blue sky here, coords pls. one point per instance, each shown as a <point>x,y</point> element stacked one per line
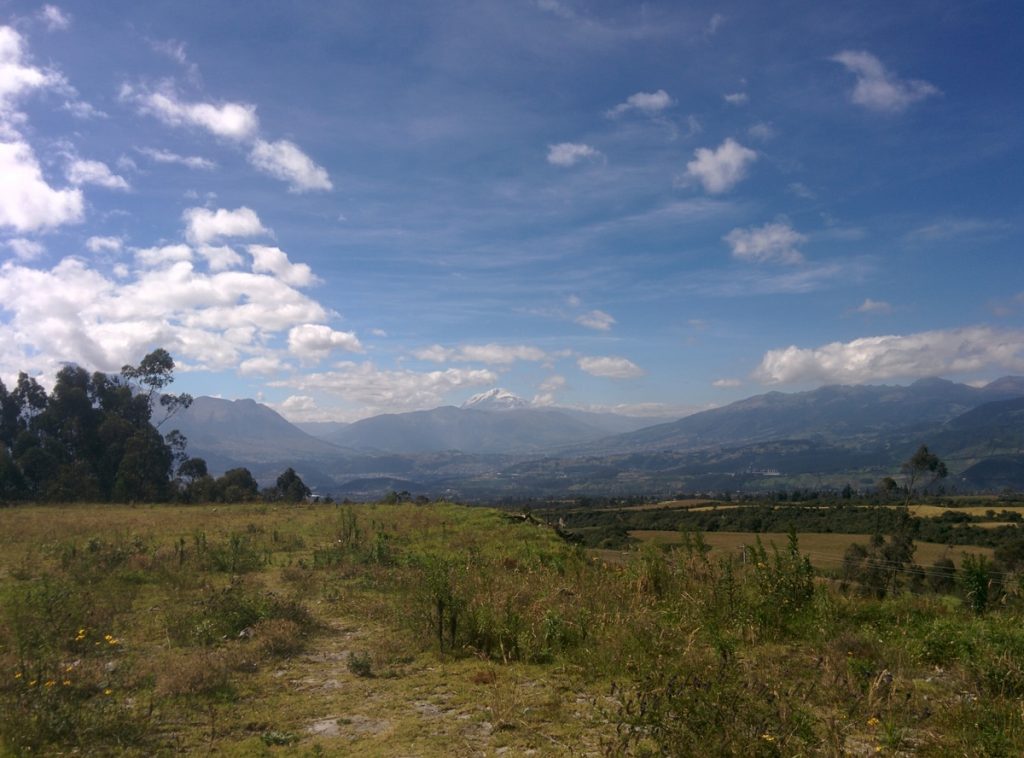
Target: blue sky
<point>351,208</point>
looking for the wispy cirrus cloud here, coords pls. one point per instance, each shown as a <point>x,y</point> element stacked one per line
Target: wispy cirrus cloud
<point>235,121</point>
<point>957,228</point>
<point>567,154</point>
<point>596,319</point>
<point>492,354</point>
<point>54,18</point>
<point>874,307</point>
<point>168,157</point>
<point>648,103</point>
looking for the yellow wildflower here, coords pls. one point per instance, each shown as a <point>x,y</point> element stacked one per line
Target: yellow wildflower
<point>873,721</point>
<point>67,682</point>
<point>49,683</point>
<point>108,691</point>
<point>768,737</point>
<point>17,675</point>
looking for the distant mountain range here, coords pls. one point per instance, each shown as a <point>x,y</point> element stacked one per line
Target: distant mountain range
<point>491,423</point>
<point>498,445</point>
<point>838,413</point>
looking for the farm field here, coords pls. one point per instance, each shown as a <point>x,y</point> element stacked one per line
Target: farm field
<point>825,550</point>
<point>432,630</point>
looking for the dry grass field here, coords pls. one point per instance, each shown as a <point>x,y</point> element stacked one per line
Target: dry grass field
<point>438,630</point>
<point>825,550</point>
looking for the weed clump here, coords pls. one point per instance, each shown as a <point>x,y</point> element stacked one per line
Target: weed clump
<point>226,613</point>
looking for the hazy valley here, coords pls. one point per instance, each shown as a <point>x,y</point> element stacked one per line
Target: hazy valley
<point>827,437</point>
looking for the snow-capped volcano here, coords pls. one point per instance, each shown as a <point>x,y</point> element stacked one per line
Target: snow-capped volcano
<point>497,399</point>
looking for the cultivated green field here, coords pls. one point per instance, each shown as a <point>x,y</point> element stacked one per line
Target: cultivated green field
<point>445,630</point>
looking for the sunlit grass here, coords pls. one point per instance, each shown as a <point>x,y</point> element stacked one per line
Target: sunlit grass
<point>441,630</point>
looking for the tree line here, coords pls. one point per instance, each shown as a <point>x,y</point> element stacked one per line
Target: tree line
<point>99,438</point>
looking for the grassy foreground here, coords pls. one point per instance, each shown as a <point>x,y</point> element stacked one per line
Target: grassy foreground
<point>446,630</point>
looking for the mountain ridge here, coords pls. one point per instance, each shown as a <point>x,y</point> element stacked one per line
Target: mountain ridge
<point>862,429</point>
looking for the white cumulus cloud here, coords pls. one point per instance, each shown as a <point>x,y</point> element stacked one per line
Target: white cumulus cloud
<point>25,249</point>
<point>878,89</point>
<point>27,202</point>
<point>736,98</point>
<point>317,341</point>
<point>235,121</point>
<point>72,312</point>
<point>613,367</point>
<point>868,359</point>
<point>285,161</point>
<point>94,172</point>
<point>273,260</point>
<point>152,257</point>
<point>203,225</point>
<point>16,75</point>
<point>296,405</point>
<point>721,169</point>
<point>383,390</point>
<point>104,244</point>
<point>220,257</point>
<point>571,153</point>
<point>771,243</point>
<point>726,383</point>
<point>261,365</point>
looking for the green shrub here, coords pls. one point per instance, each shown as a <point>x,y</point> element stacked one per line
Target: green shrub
<point>225,613</point>
<point>360,663</point>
